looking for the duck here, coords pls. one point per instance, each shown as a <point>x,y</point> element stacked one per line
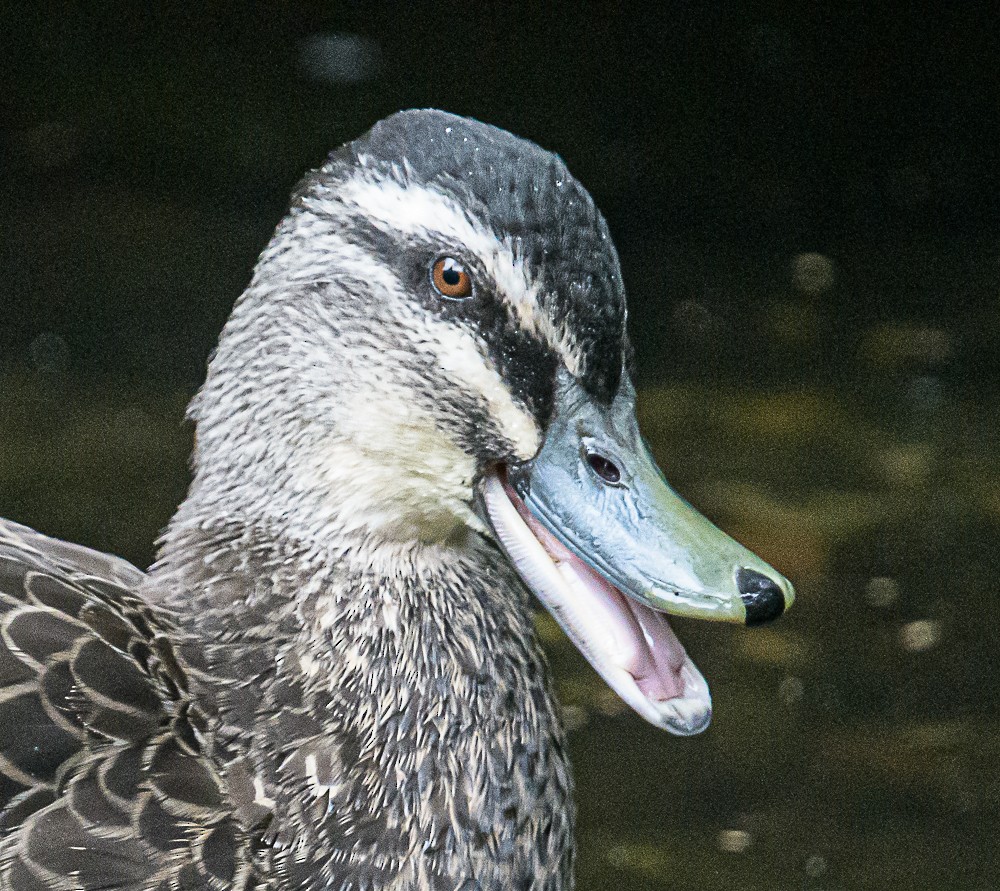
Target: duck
<point>418,421</point>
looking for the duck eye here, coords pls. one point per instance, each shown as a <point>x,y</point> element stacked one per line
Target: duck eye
<point>450,278</point>
<point>604,468</point>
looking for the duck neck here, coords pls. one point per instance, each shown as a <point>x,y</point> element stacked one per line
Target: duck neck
<point>405,688</point>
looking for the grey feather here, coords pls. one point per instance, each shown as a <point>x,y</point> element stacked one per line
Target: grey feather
<point>330,677</point>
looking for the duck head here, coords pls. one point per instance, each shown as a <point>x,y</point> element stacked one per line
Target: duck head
<point>433,347</point>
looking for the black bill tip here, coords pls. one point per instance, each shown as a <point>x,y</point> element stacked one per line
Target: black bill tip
<point>764,599</point>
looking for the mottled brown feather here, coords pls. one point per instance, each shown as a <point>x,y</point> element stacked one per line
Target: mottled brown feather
<point>104,782</point>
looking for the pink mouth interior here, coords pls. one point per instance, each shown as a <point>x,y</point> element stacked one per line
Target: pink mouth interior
<point>645,643</point>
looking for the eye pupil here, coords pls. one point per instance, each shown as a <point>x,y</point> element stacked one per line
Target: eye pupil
<point>604,468</point>
<point>450,279</point>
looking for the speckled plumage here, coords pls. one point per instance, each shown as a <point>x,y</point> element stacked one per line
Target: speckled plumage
<point>330,677</point>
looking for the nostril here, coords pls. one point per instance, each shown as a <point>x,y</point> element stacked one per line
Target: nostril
<point>764,599</point>
<point>604,468</point>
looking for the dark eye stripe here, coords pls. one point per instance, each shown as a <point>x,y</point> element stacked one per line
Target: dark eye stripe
<point>523,360</point>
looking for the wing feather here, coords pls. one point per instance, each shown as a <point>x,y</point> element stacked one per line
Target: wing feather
<point>104,778</point>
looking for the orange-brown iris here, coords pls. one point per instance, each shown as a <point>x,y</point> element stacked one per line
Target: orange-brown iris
<point>450,278</point>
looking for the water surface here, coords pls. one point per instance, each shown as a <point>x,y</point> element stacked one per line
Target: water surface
<point>854,742</point>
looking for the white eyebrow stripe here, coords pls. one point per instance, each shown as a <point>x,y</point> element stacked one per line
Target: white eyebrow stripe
<point>319,254</point>
<point>396,205</point>
<point>455,349</point>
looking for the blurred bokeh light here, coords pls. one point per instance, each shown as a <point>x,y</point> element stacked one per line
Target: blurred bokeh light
<point>805,207</point>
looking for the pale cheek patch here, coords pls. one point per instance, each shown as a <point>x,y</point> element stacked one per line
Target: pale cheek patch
<point>391,468</point>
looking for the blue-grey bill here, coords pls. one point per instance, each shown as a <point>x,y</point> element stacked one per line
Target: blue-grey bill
<point>609,548</point>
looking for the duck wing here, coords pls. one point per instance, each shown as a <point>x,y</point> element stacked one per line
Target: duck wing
<point>106,781</point>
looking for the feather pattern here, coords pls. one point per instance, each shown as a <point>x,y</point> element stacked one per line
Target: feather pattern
<point>105,775</point>
<point>153,748</point>
<point>330,677</point>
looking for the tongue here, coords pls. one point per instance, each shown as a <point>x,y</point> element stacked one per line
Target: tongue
<point>644,644</point>
<point>658,675</point>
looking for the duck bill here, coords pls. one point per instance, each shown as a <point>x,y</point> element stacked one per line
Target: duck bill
<point>610,549</point>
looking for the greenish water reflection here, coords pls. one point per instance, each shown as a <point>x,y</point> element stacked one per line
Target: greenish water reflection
<point>855,742</point>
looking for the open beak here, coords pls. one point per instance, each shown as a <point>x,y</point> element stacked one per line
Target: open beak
<point>609,548</point>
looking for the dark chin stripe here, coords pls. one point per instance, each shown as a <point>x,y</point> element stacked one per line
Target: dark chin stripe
<point>525,363</point>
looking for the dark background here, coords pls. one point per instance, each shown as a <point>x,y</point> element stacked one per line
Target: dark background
<point>805,202</point>
<point>148,150</point>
